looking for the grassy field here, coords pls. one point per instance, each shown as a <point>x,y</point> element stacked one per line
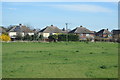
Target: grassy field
<point>60,60</point>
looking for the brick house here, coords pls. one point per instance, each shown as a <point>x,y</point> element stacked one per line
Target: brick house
<point>83,33</point>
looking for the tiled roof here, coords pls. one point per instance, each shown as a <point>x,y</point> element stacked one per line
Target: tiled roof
<point>116,31</point>
<point>104,31</point>
<point>80,30</point>
<point>2,30</point>
<point>20,29</point>
<point>51,29</point>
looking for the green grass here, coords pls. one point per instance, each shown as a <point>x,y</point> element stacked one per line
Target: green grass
<point>60,60</point>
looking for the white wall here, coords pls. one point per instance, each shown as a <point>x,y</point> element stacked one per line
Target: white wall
<point>46,35</point>
<point>23,34</point>
<point>11,34</point>
<point>30,34</point>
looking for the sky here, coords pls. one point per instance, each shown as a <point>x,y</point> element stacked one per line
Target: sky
<point>92,15</point>
<point>60,0</point>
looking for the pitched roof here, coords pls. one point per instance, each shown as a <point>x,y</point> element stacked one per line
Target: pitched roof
<point>80,30</point>
<point>116,31</point>
<point>104,31</point>
<point>20,29</point>
<point>51,29</point>
<point>2,30</point>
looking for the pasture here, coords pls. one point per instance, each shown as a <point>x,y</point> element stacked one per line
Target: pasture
<point>60,60</point>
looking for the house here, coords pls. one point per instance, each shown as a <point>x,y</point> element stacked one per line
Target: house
<point>49,30</point>
<point>116,35</point>
<point>103,35</point>
<point>83,33</point>
<point>19,30</point>
<point>2,30</point>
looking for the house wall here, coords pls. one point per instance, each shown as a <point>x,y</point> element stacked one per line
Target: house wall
<point>85,36</point>
<point>54,33</point>
<point>116,36</point>
<point>23,34</point>
<point>46,35</point>
<point>92,35</point>
<point>30,34</point>
<point>11,34</point>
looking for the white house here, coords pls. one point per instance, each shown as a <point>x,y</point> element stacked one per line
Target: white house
<point>20,29</point>
<point>49,30</point>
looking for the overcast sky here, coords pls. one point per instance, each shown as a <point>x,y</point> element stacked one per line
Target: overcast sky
<point>92,15</point>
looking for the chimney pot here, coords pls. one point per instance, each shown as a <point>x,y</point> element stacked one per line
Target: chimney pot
<point>20,24</point>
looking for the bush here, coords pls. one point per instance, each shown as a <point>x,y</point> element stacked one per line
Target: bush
<point>34,37</point>
<point>19,37</point>
<point>4,37</point>
<point>27,37</point>
<point>62,37</point>
<point>53,38</point>
<point>40,37</point>
<point>68,37</point>
<point>72,37</point>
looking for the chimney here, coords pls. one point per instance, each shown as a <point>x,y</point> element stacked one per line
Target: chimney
<point>63,29</point>
<point>107,28</point>
<point>51,25</point>
<point>80,26</point>
<point>20,24</point>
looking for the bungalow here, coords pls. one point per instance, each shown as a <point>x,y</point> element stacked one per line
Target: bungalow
<point>83,33</point>
<point>116,35</point>
<point>2,30</point>
<point>20,29</point>
<point>49,30</point>
<point>104,33</point>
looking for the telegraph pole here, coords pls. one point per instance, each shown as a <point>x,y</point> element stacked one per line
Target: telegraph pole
<point>66,31</point>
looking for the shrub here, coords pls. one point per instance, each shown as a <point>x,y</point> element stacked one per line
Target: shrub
<point>62,37</point>
<point>27,37</point>
<point>72,37</point>
<point>40,37</point>
<point>4,37</point>
<point>53,38</point>
<point>68,37</point>
<point>19,37</point>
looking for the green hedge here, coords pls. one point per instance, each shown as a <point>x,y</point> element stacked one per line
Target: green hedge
<point>64,37</point>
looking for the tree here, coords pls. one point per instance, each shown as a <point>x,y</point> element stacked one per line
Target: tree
<point>35,37</point>
<point>19,37</point>
<point>27,37</point>
<point>53,38</point>
<point>40,37</point>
